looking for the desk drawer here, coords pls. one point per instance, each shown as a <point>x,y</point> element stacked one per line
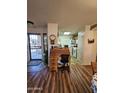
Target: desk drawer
<point>53,63</point>
<point>53,68</point>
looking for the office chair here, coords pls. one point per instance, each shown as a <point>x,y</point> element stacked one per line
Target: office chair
<point>65,61</point>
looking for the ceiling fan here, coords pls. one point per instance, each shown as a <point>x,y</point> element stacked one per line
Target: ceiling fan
<point>30,22</point>
<point>93,26</point>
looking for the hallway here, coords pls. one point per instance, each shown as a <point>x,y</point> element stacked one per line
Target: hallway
<point>77,81</point>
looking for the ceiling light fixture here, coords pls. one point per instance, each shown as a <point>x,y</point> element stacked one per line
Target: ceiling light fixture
<point>67,33</point>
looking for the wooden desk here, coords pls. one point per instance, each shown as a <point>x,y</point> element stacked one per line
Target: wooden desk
<point>54,57</point>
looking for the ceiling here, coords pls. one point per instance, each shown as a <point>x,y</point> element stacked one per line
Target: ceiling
<point>71,15</point>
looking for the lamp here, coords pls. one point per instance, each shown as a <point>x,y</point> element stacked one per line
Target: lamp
<point>90,40</point>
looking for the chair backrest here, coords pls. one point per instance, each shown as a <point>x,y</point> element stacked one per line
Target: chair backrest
<point>65,58</point>
<point>65,46</point>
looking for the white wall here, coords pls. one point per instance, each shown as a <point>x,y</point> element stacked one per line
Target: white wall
<point>90,50</point>
<point>80,48</point>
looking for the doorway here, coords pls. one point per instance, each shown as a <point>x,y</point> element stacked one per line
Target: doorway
<point>35,47</point>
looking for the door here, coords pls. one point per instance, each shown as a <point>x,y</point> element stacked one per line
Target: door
<point>35,46</point>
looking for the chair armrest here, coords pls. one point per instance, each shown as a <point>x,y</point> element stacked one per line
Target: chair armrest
<point>94,67</point>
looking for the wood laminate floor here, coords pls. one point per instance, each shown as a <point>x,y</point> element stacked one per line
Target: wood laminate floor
<point>75,81</point>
